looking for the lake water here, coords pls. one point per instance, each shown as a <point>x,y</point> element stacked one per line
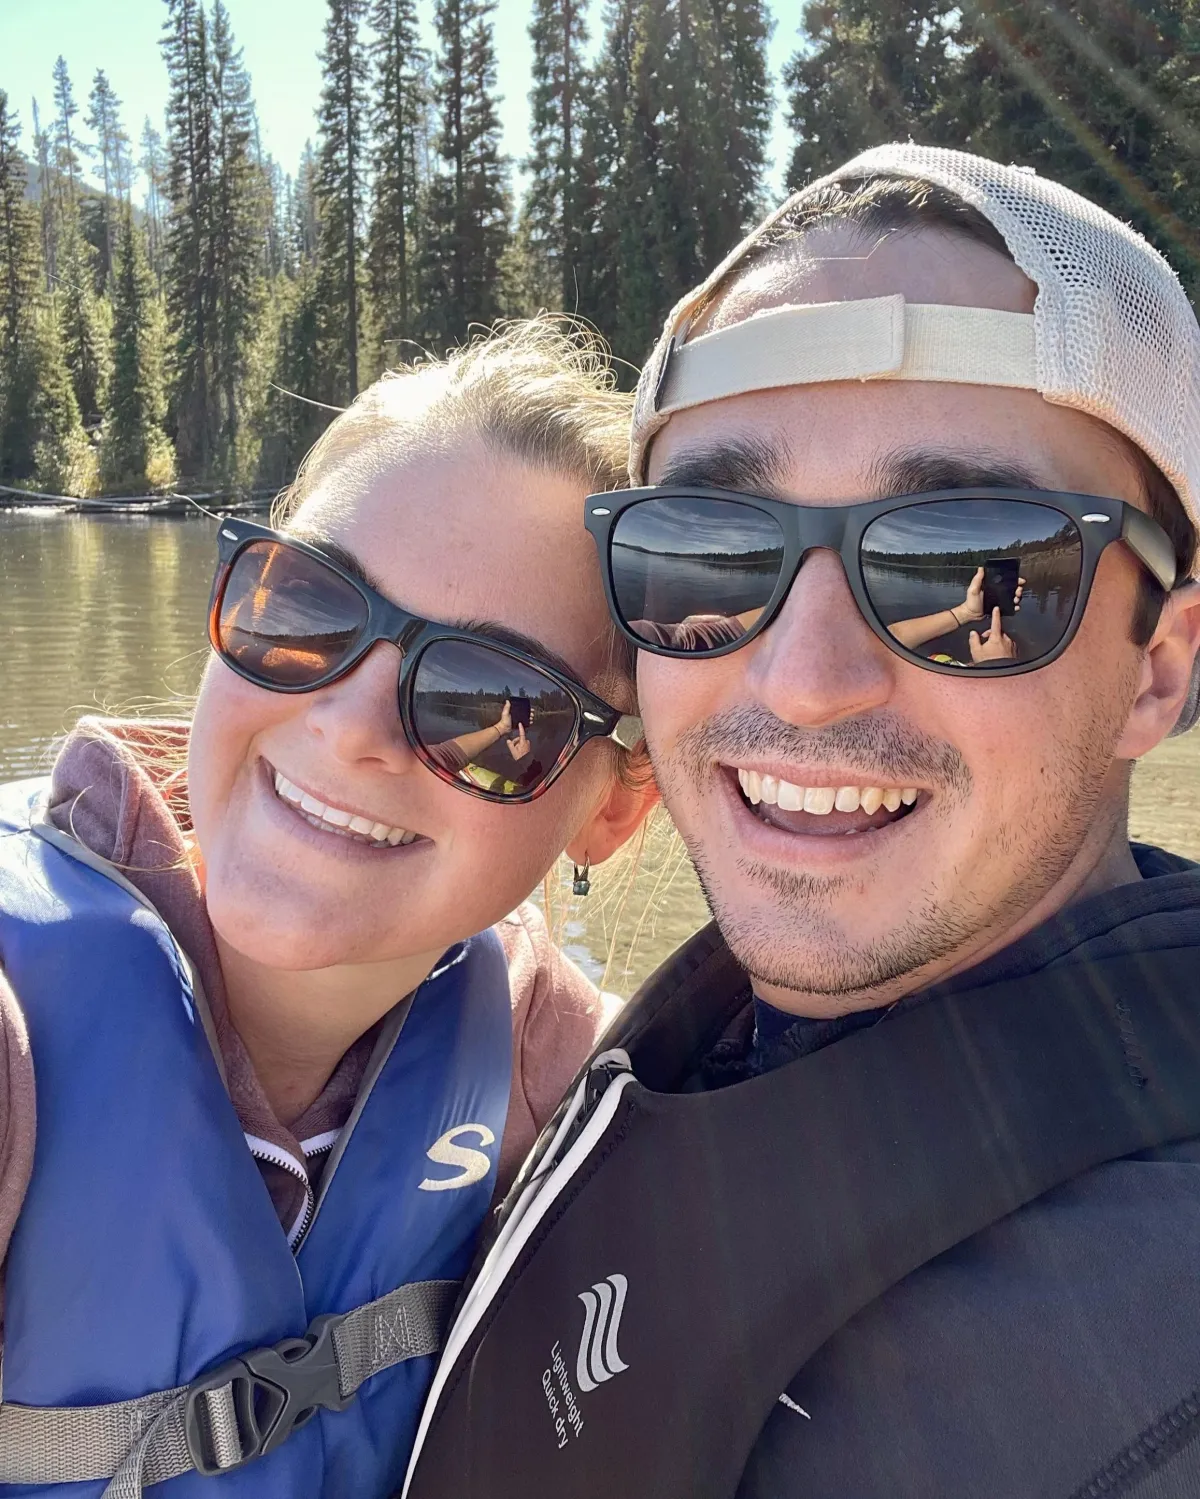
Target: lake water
<point>107,613</point>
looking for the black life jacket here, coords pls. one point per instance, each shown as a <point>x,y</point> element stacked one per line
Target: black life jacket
<point>669,1260</point>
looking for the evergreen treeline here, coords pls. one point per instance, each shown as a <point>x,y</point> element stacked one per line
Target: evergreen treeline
<point>202,335</point>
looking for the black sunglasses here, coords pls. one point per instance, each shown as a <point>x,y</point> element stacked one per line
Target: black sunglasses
<point>487,718</point>
<point>979,581</point>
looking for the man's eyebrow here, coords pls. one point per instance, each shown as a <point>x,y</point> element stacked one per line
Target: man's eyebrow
<point>504,635</point>
<point>752,465</point>
<point>920,470</point>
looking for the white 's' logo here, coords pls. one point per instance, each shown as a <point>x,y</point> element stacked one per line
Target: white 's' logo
<point>473,1164</point>
<point>598,1358</point>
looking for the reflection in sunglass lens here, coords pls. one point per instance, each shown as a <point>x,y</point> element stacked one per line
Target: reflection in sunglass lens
<point>285,617</point>
<point>692,574</point>
<point>488,718</point>
<point>970,556</point>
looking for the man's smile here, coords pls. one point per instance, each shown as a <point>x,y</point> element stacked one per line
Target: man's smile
<point>822,811</point>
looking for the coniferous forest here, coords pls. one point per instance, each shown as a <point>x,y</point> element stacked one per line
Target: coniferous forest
<point>199,335</point>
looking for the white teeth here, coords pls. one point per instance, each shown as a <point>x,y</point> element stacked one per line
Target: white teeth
<point>285,789</point>
<point>751,785</point>
<point>821,800</point>
<point>336,819</point>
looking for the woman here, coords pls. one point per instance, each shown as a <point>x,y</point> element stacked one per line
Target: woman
<point>414,706</point>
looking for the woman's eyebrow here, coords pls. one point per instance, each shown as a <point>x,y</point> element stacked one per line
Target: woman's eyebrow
<point>337,552</point>
<point>492,629</point>
<point>503,635</point>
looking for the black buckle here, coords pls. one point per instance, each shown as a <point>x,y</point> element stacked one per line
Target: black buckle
<point>275,1390</point>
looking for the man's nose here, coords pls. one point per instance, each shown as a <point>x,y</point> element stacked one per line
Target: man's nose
<point>358,716</point>
<point>819,661</point>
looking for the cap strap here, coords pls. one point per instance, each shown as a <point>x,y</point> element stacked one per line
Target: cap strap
<point>881,338</point>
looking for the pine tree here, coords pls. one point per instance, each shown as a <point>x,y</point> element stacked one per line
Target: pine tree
<point>240,208</point>
<point>649,209</point>
<point>601,184</point>
<point>552,221</point>
<point>63,461</point>
<point>401,90</point>
<point>66,142</point>
<point>82,320</point>
<point>869,71</point>
<point>293,417</point>
<point>1104,100</point>
<point>112,145</point>
<point>46,197</point>
<point>304,225</point>
<point>747,104</point>
<point>153,164</point>
<point>20,292</point>
<point>340,185</point>
<point>135,453</point>
<point>467,208</point>
<point>189,249</point>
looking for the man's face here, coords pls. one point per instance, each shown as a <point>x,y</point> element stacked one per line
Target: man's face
<point>1019,791</point>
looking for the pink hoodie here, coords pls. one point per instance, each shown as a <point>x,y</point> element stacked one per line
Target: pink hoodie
<point>107,791</point>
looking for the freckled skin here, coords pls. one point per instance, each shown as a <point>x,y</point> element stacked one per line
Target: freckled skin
<point>1039,817</point>
<point>455,535</point>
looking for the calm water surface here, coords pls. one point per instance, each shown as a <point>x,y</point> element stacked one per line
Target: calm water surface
<point>107,613</point>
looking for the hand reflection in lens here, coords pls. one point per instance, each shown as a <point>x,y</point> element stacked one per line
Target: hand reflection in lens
<point>992,645</point>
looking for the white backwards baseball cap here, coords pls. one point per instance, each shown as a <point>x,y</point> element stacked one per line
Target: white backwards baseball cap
<point>1112,332</point>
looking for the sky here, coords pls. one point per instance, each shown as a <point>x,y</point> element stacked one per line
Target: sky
<point>280,39</point>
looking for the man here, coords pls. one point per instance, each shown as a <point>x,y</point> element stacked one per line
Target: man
<point>912,589</point>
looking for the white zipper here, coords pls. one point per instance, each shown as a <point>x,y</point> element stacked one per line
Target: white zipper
<point>264,1150</point>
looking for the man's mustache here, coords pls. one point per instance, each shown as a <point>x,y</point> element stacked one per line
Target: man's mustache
<point>879,746</point>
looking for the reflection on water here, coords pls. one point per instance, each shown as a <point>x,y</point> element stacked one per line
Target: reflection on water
<point>108,612</point>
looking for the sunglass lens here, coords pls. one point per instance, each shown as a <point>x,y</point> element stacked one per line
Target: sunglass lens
<point>285,618</point>
<point>692,574</point>
<point>935,572</point>
<point>489,719</point>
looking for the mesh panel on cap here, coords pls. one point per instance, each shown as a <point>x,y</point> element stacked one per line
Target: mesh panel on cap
<point>1116,335</point>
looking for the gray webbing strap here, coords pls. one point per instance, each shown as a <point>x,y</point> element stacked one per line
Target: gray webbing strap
<point>144,1441</point>
<point>404,1324</point>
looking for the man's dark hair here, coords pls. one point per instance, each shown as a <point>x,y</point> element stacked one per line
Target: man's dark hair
<point>878,206</point>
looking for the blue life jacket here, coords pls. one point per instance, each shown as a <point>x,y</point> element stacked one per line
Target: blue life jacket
<point>148,1250</point>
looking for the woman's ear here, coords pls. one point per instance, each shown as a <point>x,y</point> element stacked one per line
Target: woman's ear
<point>1165,675</point>
<point>618,816</point>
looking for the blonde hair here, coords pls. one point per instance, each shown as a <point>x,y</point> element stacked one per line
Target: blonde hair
<point>542,390</point>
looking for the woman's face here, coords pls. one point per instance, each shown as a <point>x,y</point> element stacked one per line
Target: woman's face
<point>460,537</point>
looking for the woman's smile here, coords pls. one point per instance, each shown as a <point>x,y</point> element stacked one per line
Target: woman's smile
<point>332,819</point>
<point>338,822</point>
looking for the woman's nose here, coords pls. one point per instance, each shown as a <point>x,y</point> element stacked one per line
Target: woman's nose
<point>358,716</point>
<point>819,660</point>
